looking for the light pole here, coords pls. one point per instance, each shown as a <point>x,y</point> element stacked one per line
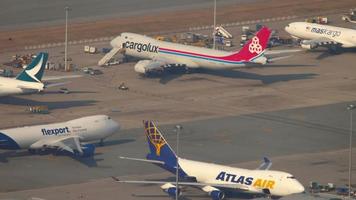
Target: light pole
<point>177,129</point>
<point>214,40</point>
<point>67,9</point>
<point>350,108</point>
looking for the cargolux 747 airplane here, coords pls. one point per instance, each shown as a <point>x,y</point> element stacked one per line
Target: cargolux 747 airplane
<point>213,178</point>
<point>159,55</point>
<point>319,35</point>
<point>72,136</point>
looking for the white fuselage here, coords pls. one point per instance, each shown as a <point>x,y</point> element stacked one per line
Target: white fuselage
<point>9,86</point>
<point>87,129</point>
<point>311,31</point>
<point>277,182</point>
<point>144,47</point>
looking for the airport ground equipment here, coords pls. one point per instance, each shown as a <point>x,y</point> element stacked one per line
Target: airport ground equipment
<point>350,17</point>
<point>221,31</point>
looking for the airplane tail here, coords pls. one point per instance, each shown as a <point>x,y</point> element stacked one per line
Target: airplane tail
<point>254,48</point>
<point>158,146</point>
<point>34,71</point>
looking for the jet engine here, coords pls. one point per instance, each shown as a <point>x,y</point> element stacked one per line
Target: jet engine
<point>88,150</point>
<point>148,66</point>
<point>307,45</point>
<point>171,189</point>
<point>214,193</point>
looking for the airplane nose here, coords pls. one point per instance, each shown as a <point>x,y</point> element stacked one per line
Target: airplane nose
<point>115,126</point>
<point>299,188</point>
<point>116,42</point>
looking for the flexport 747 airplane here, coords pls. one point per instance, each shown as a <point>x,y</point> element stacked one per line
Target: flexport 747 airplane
<point>72,136</point>
<point>30,79</point>
<point>158,56</point>
<point>318,35</point>
<point>213,178</point>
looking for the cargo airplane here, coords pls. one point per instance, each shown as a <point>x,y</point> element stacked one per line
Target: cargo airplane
<point>158,56</point>
<point>212,178</point>
<point>29,81</point>
<point>318,35</point>
<point>72,136</point>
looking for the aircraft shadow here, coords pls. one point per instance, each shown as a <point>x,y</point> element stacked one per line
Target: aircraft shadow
<point>70,92</point>
<point>327,54</point>
<point>114,142</point>
<point>265,79</point>
<point>14,100</point>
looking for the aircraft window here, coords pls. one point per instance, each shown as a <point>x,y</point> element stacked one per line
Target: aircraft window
<point>291,177</point>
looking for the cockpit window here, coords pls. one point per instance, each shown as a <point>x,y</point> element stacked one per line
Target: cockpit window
<point>291,177</point>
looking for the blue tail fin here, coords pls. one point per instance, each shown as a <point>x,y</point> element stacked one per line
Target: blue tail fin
<point>159,148</point>
<point>34,71</point>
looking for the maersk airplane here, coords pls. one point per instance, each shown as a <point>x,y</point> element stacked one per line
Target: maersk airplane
<point>157,56</point>
<point>319,35</point>
<point>72,136</point>
<point>29,81</point>
<point>213,178</point>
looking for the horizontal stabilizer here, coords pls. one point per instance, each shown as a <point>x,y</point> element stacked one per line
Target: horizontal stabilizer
<point>143,160</point>
<point>231,186</point>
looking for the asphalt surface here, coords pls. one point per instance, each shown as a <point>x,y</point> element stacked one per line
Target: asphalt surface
<point>226,140</point>
<point>21,12</point>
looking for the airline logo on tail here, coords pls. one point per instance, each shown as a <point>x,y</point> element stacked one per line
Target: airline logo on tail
<point>154,136</point>
<point>34,71</point>
<point>255,46</point>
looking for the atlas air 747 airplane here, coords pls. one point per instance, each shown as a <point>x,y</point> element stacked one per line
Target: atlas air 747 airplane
<point>72,136</point>
<point>213,178</point>
<point>318,35</point>
<point>159,55</point>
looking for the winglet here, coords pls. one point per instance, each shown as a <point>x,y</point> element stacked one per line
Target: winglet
<point>267,163</point>
<point>115,179</point>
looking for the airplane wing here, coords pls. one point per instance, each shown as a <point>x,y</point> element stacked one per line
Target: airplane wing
<point>314,43</point>
<point>66,143</point>
<point>267,163</point>
<point>227,186</point>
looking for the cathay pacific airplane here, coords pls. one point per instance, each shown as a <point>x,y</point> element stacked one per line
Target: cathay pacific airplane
<point>29,81</point>
<point>213,178</point>
<point>319,35</point>
<point>158,56</point>
<point>72,136</point>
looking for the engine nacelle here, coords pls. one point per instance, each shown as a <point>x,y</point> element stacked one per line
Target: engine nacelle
<point>145,66</point>
<point>308,45</point>
<point>171,189</point>
<point>215,193</point>
<point>88,150</point>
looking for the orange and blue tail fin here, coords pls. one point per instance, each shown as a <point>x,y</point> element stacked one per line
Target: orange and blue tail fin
<point>254,48</point>
<point>158,146</point>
